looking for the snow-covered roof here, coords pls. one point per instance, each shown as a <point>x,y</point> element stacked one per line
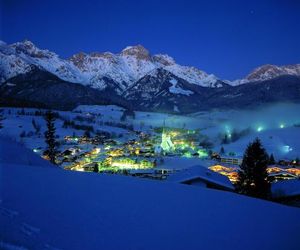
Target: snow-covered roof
<point>203,173</point>
<point>286,188</point>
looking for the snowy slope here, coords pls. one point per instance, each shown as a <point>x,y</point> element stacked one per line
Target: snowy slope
<point>12,152</point>
<point>282,143</point>
<point>214,125</point>
<point>44,208</point>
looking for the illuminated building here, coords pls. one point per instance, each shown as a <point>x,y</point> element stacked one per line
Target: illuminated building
<point>230,172</point>
<point>202,153</point>
<point>295,171</point>
<point>166,143</point>
<point>232,161</point>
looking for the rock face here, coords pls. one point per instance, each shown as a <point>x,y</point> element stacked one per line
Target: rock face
<point>148,82</point>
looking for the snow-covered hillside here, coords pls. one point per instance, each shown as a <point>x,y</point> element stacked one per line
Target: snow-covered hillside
<point>13,152</point>
<point>277,126</point>
<point>48,208</point>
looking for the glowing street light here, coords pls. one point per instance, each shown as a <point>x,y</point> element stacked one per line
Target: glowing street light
<point>259,129</point>
<point>228,131</point>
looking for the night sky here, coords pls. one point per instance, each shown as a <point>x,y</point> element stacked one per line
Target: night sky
<point>227,38</point>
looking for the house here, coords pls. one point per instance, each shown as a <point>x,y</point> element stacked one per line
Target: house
<point>287,191</point>
<point>278,173</point>
<point>202,177</point>
<point>231,161</point>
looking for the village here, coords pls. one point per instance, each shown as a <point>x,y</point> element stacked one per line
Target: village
<point>140,155</point>
<point>144,155</point>
<point>153,146</point>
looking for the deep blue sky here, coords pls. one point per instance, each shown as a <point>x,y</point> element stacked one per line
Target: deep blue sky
<point>227,38</point>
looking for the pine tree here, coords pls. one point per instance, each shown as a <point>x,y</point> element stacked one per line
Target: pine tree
<point>225,139</point>
<point>36,126</point>
<point>272,160</point>
<point>253,176</point>
<point>87,134</point>
<point>1,118</point>
<point>50,136</point>
<point>96,168</point>
<point>222,151</point>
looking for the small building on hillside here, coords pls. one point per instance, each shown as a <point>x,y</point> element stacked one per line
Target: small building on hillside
<point>287,192</point>
<point>202,177</point>
<point>231,160</point>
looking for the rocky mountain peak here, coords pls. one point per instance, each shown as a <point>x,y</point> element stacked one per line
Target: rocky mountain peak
<point>138,51</point>
<point>270,71</point>
<point>28,48</point>
<point>262,71</point>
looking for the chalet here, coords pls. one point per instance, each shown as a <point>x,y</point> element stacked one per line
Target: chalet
<point>202,177</point>
<point>287,192</point>
<point>231,161</point>
<point>149,173</point>
<point>281,172</point>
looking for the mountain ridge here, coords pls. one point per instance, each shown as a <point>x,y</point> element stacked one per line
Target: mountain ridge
<point>135,77</point>
<point>124,68</point>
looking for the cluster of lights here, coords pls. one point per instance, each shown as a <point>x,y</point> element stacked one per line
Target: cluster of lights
<point>228,131</point>
<point>128,163</point>
<point>202,153</point>
<point>230,172</point>
<point>287,149</point>
<point>176,141</point>
<point>260,128</point>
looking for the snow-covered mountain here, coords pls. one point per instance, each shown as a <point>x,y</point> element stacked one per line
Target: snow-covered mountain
<point>121,70</point>
<point>21,57</point>
<point>268,72</point>
<point>148,82</point>
<point>98,70</point>
<point>132,64</point>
